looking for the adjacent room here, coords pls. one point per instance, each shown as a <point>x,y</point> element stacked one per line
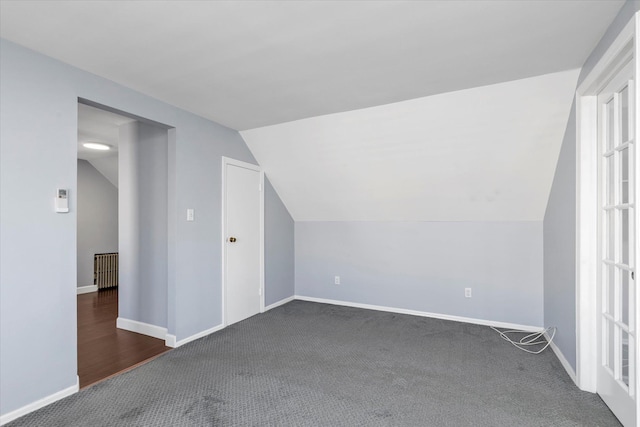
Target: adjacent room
<point>318,213</point>
<point>103,348</point>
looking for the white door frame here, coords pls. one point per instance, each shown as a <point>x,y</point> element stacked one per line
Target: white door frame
<point>619,53</point>
<point>225,162</point>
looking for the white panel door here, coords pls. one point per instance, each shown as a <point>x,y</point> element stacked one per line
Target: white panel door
<point>242,246</point>
<point>617,327</point>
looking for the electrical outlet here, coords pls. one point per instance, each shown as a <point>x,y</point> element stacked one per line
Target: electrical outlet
<point>190,213</point>
<point>336,280</point>
<point>467,292</point>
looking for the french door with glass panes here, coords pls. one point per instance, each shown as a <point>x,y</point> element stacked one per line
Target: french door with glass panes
<point>617,333</point>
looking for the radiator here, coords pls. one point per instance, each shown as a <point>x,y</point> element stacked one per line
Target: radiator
<point>105,270</point>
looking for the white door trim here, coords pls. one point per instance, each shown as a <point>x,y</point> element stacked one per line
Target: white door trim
<point>229,161</point>
<point>618,54</point>
<point>586,243</point>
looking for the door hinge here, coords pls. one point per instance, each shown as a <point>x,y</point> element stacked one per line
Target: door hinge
<point>259,187</point>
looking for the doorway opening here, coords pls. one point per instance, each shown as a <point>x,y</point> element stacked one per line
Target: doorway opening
<point>122,205</point>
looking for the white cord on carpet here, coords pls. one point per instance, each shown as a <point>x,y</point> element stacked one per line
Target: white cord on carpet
<point>530,339</point>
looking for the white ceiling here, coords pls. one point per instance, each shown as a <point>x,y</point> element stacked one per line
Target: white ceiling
<point>482,154</point>
<point>256,63</point>
<point>357,110</point>
<point>96,125</point>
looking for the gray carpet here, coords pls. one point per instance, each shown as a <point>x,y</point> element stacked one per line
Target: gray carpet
<point>308,364</point>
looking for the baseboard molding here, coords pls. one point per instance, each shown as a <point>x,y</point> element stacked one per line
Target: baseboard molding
<point>504,325</point>
<point>563,360</point>
<point>279,303</point>
<point>87,289</point>
<point>34,406</point>
<point>141,328</point>
<point>171,340</point>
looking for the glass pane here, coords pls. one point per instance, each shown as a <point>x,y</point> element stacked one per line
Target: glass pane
<point>624,172</point>
<point>625,358</point>
<point>610,289</point>
<point>609,126</point>
<point>610,180</point>
<point>624,114</point>
<point>624,296</point>
<point>624,234</point>
<point>609,237</point>
<point>608,342</point>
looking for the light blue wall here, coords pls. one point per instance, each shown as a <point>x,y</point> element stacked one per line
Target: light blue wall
<point>425,266</point>
<point>560,216</point>
<point>200,144</point>
<point>38,152</point>
<point>97,219</point>
<point>559,247</point>
<point>38,134</point>
<point>279,248</point>
<point>143,232</point>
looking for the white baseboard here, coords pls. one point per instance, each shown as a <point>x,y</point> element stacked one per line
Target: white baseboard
<point>34,406</point>
<point>87,289</point>
<point>279,303</point>
<point>171,340</point>
<point>563,360</point>
<point>141,328</point>
<point>483,322</point>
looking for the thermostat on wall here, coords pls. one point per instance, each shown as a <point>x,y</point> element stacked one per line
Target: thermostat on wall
<point>62,200</point>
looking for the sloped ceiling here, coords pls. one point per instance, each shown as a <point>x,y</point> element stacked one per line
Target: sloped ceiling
<point>96,125</point>
<point>247,64</point>
<point>479,154</point>
<point>361,110</point>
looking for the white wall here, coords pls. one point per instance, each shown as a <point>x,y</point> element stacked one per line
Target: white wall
<point>97,219</point>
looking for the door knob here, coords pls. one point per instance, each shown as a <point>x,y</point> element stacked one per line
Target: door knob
<point>232,239</point>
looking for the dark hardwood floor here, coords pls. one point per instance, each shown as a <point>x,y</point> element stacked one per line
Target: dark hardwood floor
<point>104,350</point>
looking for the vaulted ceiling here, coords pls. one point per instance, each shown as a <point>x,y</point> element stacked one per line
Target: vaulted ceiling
<point>356,110</point>
<point>248,64</point>
<point>96,125</point>
<point>481,154</point>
